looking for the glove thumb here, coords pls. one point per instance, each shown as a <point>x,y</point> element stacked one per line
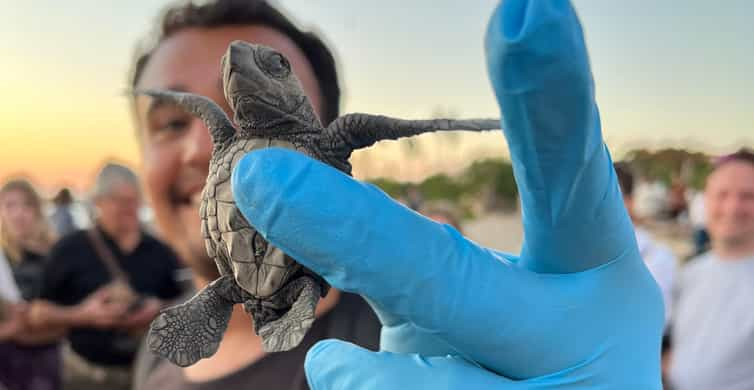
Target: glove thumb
<point>336,365</point>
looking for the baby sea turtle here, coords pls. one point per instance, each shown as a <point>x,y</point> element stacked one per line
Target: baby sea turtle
<point>270,110</point>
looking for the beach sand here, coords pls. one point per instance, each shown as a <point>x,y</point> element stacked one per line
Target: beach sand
<point>503,232</point>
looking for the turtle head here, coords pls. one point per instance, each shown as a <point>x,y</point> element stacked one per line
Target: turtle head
<point>261,88</point>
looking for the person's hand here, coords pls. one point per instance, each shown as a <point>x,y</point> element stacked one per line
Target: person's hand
<point>435,292</point>
<point>577,309</point>
<point>38,313</point>
<point>142,316</point>
<point>13,322</point>
<point>100,310</point>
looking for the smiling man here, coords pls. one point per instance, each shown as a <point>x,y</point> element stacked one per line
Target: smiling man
<point>713,321</point>
<point>176,149</point>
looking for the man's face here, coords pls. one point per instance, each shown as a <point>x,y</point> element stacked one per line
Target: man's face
<point>119,208</point>
<point>729,204</point>
<point>176,147</point>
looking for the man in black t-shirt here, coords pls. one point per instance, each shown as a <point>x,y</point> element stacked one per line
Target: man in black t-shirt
<point>78,272</point>
<point>176,148</point>
<point>130,273</point>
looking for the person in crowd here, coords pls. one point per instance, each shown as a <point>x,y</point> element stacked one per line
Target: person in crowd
<point>713,317</point>
<point>413,197</point>
<point>104,285</point>
<point>677,203</point>
<point>660,259</point>
<point>62,216</point>
<point>11,325</point>
<point>30,359</point>
<point>699,235</point>
<point>176,148</point>
<point>442,213</point>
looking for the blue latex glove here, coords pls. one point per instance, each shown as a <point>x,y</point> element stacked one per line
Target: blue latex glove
<point>577,309</point>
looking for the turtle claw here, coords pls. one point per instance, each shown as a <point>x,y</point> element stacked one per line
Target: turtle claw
<point>191,331</point>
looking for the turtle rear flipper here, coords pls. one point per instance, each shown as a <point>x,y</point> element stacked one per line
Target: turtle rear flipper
<point>298,300</point>
<point>191,331</point>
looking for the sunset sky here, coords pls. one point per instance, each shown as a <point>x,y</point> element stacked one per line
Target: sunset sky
<point>670,73</point>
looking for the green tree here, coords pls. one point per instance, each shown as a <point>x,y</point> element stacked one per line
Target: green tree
<point>669,163</point>
<point>392,187</point>
<point>441,186</point>
<point>491,175</point>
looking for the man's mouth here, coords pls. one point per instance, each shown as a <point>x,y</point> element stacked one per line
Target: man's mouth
<point>187,198</point>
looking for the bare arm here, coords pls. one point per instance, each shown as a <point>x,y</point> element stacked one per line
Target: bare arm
<point>97,311</point>
<point>45,316</point>
<point>13,322</point>
<point>139,319</point>
<point>29,336</point>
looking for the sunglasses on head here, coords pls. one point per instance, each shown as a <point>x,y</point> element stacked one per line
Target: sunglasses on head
<point>745,155</point>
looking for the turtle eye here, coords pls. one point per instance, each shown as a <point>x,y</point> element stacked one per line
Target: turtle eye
<point>275,64</point>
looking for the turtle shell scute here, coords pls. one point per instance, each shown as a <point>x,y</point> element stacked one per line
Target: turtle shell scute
<point>236,247</point>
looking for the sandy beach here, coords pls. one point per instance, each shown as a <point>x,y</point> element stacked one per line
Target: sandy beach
<point>503,231</point>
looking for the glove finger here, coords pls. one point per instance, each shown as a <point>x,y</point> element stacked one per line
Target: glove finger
<point>414,269</point>
<point>408,338</point>
<point>336,365</point>
<point>402,336</point>
<point>362,241</point>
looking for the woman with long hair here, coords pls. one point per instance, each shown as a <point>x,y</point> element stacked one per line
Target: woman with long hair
<point>30,359</point>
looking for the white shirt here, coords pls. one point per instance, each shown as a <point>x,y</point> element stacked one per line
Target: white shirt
<point>8,288</point>
<point>713,325</point>
<point>662,263</point>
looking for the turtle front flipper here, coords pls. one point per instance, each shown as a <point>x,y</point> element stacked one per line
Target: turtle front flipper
<point>191,331</point>
<point>218,123</point>
<point>298,301</point>
<point>357,131</point>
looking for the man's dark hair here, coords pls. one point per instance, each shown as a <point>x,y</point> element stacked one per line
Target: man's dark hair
<point>625,178</point>
<point>744,155</point>
<point>220,13</point>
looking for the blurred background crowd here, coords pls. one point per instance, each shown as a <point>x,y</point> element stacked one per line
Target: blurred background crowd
<point>85,268</point>
<point>664,192</point>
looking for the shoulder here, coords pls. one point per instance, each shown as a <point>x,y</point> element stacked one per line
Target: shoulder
<point>699,263</point>
<point>153,243</point>
<point>653,251</point>
<point>653,248</point>
<point>70,257</point>
<point>70,244</point>
<point>150,240</point>
<point>697,268</point>
<point>663,256</point>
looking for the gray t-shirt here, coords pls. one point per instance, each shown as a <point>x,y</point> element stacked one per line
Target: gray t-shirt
<point>713,325</point>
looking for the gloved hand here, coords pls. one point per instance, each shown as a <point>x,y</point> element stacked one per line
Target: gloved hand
<point>577,309</point>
